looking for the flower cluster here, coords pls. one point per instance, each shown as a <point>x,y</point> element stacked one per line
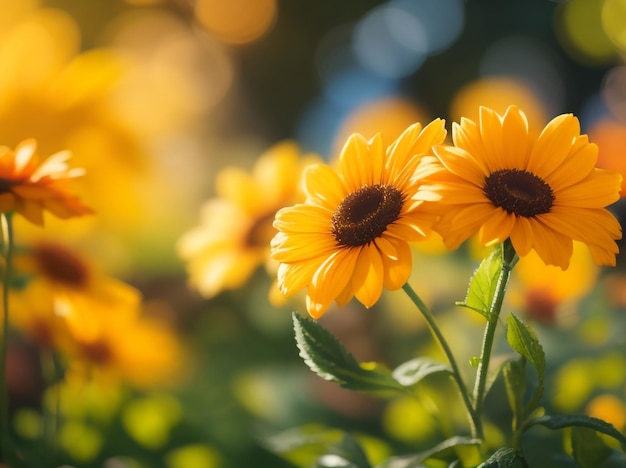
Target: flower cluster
<point>496,181</point>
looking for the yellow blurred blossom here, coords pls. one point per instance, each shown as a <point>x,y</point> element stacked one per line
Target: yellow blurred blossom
<point>233,238</point>
<point>82,101</point>
<point>96,321</point>
<point>542,290</point>
<point>78,292</point>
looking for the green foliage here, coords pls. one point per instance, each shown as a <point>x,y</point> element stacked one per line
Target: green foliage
<point>514,373</point>
<point>330,360</point>
<point>320,447</point>
<point>441,450</point>
<point>505,458</point>
<point>563,421</point>
<point>483,284</point>
<point>524,341</point>
<point>347,453</point>
<point>411,372</point>
<point>588,449</point>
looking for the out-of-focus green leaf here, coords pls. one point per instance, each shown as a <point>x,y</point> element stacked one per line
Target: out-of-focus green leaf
<point>514,373</point>
<point>524,340</point>
<point>318,446</point>
<point>330,360</point>
<point>505,458</point>
<point>482,286</point>
<point>439,450</point>
<point>303,445</point>
<point>562,421</point>
<point>588,449</point>
<point>411,372</point>
<point>347,453</point>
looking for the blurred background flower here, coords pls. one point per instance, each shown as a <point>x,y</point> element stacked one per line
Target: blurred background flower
<point>173,105</point>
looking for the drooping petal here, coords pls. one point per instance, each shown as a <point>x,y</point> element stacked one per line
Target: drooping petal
<point>330,279</point>
<point>368,276</point>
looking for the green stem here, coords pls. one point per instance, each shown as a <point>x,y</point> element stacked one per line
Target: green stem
<point>509,259</point>
<point>6,284</point>
<point>475,423</point>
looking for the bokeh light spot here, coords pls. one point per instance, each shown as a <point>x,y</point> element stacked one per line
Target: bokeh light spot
<point>388,116</point>
<point>614,92</point>
<point>610,136</point>
<point>391,42</point>
<point>193,456</point>
<point>498,94</point>
<point>441,20</point>
<point>614,22</point>
<point>530,61</point>
<point>580,30</point>
<point>237,21</point>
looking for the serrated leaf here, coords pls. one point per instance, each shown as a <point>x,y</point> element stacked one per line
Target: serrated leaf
<point>505,458</point>
<point>524,341</point>
<point>562,421</point>
<point>482,286</point>
<point>415,461</point>
<point>411,372</point>
<point>588,449</point>
<point>514,374</point>
<point>330,360</point>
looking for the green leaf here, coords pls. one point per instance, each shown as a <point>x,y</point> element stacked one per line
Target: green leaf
<point>588,449</point>
<point>514,374</point>
<point>415,461</point>
<point>330,360</point>
<point>562,421</point>
<point>505,458</point>
<point>411,372</point>
<point>482,286</point>
<point>524,340</point>
<point>348,453</point>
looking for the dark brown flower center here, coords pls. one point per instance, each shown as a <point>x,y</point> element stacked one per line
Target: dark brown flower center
<point>261,232</point>
<point>59,264</point>
<point>519,192</point>
<point>97,352</point>
<point>7,184</point>
<point>365,214</point>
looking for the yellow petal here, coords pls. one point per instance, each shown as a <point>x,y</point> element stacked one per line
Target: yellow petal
<point>368,277</point>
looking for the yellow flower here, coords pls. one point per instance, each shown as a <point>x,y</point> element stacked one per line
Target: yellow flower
<point>94,320</point>
<point>546,293</point>
<point>29,187</point>
<point>142,352</point>
<point>74,290</point>
<point>351,236</point>
<point>235,230</point>
<point>542,193</point>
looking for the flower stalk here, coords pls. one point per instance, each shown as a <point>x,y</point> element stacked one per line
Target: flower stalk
<point>508,261</point>
<point>7,251</point>
<point>474,416</point>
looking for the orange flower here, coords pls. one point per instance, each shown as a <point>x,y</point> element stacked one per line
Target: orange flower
<point>29,187</point>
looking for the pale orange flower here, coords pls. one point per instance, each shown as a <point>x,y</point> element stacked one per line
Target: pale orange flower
<point>30,187</point>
